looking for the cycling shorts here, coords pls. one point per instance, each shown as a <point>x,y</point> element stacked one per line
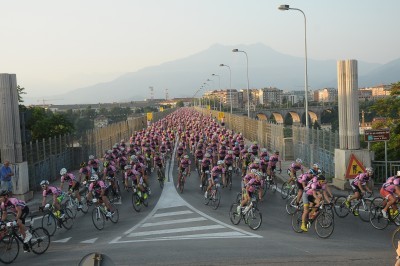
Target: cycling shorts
<point>384,193</point>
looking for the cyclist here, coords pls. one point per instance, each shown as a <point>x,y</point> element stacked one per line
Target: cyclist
<point>315,170</point>
<point>205,166</point>
<point>294,167</point>
<point>254,148</point>
<point>228,161</point>
<point>179,152</point>
<point>216,172</point>
<point>310,197</point>
<point>57,196</point>
<point>99,190</point>
<point>21,209</point>
<point>273,160</point>
<point>249,187</point>
<point>184,167</point>
<point>73,185</point>
<point>158,162</point>
<point>390,191</point>
<point>302,182</point>
<point>84,172</point>
<point>94,163</point>
<point>109,173</point>
<point>357,186</point>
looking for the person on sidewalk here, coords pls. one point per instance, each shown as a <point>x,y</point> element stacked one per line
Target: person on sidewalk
<point>5,176</point>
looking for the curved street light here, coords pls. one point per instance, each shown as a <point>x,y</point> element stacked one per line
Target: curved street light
<point>230,82</point>
<point>284,8</point>
<point>219,82</point>
<point>248,94</point>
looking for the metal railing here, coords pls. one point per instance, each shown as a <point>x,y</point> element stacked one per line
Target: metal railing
<point>380,170</point>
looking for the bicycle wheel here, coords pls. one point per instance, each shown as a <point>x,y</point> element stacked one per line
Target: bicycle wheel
<point>215,199</point>
<point>234,216</point>
<point>396,238</point>
<point>9,249</point>
<point>68,221</point>
<point>291,205</point>
<point>254,218</point>
<point>341,209</point>
<point>363,209</point>
<point>274,186</point>
<point>115,217</point>
<point>376,217</point>
<point>145,199</point>
<point>71,204</point>
<point>297,220</point>
<point>49,223</point>
<point>85,207</point>
<point>98,218</point>
<point>324,225</point>
<point>136,202</point>
<point>229,180</point>
<point>285,190</point>
<point>181,184</point>
<point>40,240</point>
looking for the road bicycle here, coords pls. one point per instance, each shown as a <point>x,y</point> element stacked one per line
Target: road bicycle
<point>114,188</point>
<point>161,176</point>
<point>99,214</point>
<point>182,180</point>
<point>288,190</point>
<point>396,238</point>
<point>72,203</point>
<point>229,173</point>
<point>204,181</point>
<point>52,220</point>
<point>139,199</point>
<point>250,214</point>
<point>361,207</point>
<point>10,241</point>
<point>376,217</point>
<point>322,219</point>
<point>213,197</point>
<point>268,182</point>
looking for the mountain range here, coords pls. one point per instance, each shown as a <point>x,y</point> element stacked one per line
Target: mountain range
<point>267,68</point>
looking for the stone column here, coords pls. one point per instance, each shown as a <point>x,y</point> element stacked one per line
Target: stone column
<point>341,77</point>
<point>353,133</point>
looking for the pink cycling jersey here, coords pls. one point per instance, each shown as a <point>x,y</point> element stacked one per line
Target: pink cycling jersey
<point>68,177</point>
<point>51,190</point>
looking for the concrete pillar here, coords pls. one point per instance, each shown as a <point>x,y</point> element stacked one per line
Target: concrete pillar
<point>341,77</point>
<point>353,139</point>
<point>10,135</point>
<point>7,137</point>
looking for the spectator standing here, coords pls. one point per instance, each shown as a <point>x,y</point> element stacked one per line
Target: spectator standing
<point>5,176</point>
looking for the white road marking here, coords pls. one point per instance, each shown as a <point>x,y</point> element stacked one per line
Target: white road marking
<point>89,241</point>
<point>176,230</point>
<point>171,214</point>
<point>189,220</point>
<point>65,240</point>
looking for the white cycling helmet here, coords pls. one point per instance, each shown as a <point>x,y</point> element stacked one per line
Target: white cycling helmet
<point>63,171</point>
<point>207,155</point>
<point>263,150</point>
<point>220,162</point>
<point>398,173</point>
<point>186,156</point>
<point>91,157</point>
<point>127,167</point>
<point>256,160</point>
<point>230,152</point>
<point>94,178</point>
<point>370,171</point>
<point>254,171</point>
<point>298,160</point>
<point>44,183</point>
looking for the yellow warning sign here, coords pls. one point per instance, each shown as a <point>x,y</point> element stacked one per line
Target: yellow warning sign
<point>209,107</point>
<point>354,167</point>
<point>220,115</point>
<point>149,116</point>
<point>161,109</point>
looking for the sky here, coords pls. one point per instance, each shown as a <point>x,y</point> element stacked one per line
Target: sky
<point>58,46</point>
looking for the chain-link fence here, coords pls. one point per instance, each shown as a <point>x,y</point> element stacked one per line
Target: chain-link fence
<point>46,157</point>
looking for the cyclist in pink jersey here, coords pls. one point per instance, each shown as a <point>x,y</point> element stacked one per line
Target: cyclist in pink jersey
<point>390,191</point>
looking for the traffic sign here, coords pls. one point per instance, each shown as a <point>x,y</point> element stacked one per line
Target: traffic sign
<point>354,167</point>
<point>377,134</point>
<point>221,115</point>
<point>149,116</point>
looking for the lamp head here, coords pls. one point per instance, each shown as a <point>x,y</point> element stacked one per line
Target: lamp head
<point>283,7</point>
<point>235,50</point>
<point>221,65</point>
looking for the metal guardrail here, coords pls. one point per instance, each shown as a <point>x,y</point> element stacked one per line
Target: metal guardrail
<point>380,170</point>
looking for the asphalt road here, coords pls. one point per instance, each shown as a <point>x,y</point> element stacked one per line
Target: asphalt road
<point>178,229</point>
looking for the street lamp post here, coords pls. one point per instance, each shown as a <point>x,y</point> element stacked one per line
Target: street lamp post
<point>286,7</point>
<point>248,94</point>
<point>219,82</point>
<point>213,93</point>
<point>230,82</point>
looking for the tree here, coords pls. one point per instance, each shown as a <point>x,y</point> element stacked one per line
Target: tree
<point>180,104</point>
<point>20,91</point>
